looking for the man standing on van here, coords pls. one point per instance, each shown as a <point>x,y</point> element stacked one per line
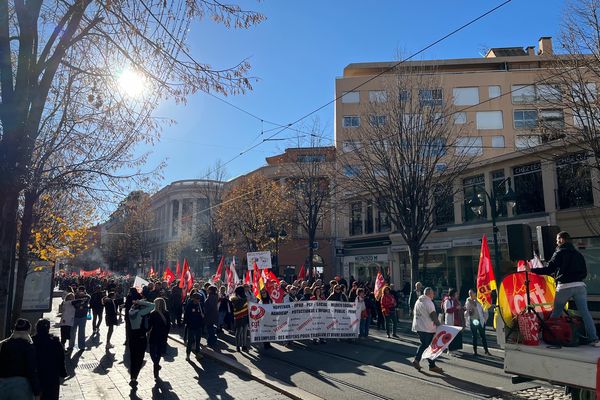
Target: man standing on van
<point>567,265</point>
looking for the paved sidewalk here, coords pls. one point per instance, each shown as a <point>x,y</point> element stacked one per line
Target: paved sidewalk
<point>98,374</point>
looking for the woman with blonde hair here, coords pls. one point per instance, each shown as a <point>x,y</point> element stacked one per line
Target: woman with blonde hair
<point>160,324</point>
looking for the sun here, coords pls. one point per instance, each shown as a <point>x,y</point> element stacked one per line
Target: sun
<point>131,83</point>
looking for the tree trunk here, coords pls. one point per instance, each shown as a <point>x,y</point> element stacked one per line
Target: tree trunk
<point>413,252</point>
<point>23,255</point>
<point>9,196</point>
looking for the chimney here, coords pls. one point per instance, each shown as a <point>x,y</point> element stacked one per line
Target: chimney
<point>530,50</point>
<point>545,46</point>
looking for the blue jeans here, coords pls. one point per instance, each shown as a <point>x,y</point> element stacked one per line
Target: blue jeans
<point>579,294</point>
<point>79,327</point>
<point>363,329</point>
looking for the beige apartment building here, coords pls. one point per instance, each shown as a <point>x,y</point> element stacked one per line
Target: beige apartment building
<point>504,97</point>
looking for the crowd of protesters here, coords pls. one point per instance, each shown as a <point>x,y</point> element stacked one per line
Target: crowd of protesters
<point>204,311</point>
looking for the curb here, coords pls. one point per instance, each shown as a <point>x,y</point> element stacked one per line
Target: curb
<point>256,374</point>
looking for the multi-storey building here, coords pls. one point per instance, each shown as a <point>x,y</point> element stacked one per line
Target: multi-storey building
<point>505,96</point>
<point>182,215</point>
<point>292,252</point>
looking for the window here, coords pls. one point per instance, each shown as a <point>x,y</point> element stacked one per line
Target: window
<point>525,119</point>
<point>529,188</point>
<point>527,141</point>
<point>369,223</point>
<point>489,120</point>
<point>552,119</point>
<point>377,120</point>
<point>351,121</point>
<point>549,93</point>
<point>498,142</point>
<point>350,145</point>
<point>523,94</point>
<point>202,211</point>
<point>404,95</point>
<point>499,188</point>
<point>471,146</point>
<point>444,210</point>
<point>433,148</point>
<point>356,227</point>
<point>474,186</point>
<point>574,182</point>
<point>350,97</point>
<point>377,96</point>
<point>351,171</point>
<point>187,215</point>
<point>585,116</point>
<point>382,221</point>
<point>465,96</point>
<point>430,97</point>
<point>584,92</point>
<point>494,91</point>
<point>460,118</point>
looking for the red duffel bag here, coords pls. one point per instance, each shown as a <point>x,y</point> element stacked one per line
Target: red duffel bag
<point>563,331</point>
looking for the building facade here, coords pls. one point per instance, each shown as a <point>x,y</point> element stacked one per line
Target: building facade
<point>500,101</point>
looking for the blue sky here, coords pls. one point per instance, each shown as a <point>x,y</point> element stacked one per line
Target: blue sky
<point>299,51</point>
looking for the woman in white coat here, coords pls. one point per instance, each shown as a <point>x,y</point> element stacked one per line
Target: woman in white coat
<point>476,319</point>
<point>66,320</point>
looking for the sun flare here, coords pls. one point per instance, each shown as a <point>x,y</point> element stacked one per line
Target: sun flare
<point>131,83</point>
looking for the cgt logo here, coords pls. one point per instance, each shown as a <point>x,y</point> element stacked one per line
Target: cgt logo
<point>440,340</point>
<point>256,312</point>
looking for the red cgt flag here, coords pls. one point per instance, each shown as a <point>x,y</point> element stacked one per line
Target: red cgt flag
<point>486,281</point>
<point>169,276</point>
<point>247,278</point>
<point>219,273</point>
<point>379,284</point>
<point>187,279</point>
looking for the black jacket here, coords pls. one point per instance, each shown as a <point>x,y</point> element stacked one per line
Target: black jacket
<point>159,329</point>
<point>50,360</point>
<point>567,265</point>
<point>81,305</point>
<point>17,358</point>
<point>194,315</point>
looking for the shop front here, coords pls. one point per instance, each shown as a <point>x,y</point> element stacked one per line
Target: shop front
<point>364,267</point>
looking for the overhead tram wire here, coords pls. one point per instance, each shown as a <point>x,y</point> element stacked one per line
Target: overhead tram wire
<point>288,126</point>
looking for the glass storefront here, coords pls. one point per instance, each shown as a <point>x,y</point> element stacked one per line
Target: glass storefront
<point>364,268</point>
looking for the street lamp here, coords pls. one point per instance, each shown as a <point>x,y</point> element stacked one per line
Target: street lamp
<point>477,205</point>
<point>282,234</point>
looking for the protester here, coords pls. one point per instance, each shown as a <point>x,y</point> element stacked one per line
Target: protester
<point>265,299</point>
<point>81,304</point>
<point>568,267</point>
<point>454,316</point>
<point>476,319</point>
<point>225,311</point>
<point>175,302</point>
<point>50,360</point>
<point>18,364</point>
<point>159,323</point>
<point>363,310</point>
<point>414,295</point>
<point>317,294</point>
<point>425,320</point>
<point>97,308</point>
<point>67,319</point>
<point>137,338</point>
<point>129,301</point>
<point>388,309</point>
<point>211,315</point>
<point>240,315</point>
<point>193,320</point>
<point>111,317</point>
<point>337,294</point>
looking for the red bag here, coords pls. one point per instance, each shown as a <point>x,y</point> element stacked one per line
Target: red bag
<point>563,331</point>
<point>529,328</point>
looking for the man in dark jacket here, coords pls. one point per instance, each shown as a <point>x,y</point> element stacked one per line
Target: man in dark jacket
<point>567,265</point>
<point>50,360</point>
<point>97,308</point>
<point>414,295</point>
<point>81,304</point>
<point>193,319</point>
<point>18,364</point>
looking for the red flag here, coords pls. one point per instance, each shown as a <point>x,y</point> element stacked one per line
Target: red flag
<point>219,272</point>
<point>486,282</point>
<point>379,284</point>
<point>271,276</point>
<point>302,273</point>
<point>275,291</point>
<point>230,280</point>
<point>151,270</point>
<point>169,276</point>
<point>178,269</point>
<point>247,278</point>
<point>184,273</point>
<point>255,280</point>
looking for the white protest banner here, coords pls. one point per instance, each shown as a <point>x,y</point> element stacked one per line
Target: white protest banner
<point>139,283</point>
<point>444,334</point>
<point>303,320</point>
<point>262,259</point>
